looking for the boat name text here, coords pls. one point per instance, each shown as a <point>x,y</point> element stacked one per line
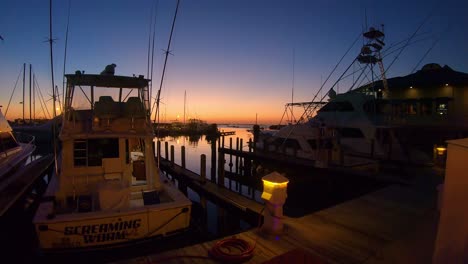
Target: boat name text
<point>104,232</point>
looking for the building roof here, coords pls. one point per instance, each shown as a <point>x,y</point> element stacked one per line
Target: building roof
<point>431,75</point>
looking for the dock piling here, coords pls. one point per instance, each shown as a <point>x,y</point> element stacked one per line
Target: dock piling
<point>213,160</point>
<point>172,155</point>
<point>182,156</point>
<point>166,149</point>
<point>202,168</point>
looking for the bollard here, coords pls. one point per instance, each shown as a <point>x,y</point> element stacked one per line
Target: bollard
<point>274,194</point>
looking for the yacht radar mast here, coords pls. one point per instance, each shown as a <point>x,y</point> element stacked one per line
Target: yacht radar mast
<point>370,52</point>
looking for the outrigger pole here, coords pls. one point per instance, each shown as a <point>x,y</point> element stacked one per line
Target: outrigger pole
<point>156,116</point>
<point>51,41</point>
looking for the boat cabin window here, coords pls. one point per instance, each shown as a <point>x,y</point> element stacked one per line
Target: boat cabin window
<point>350,132</point>
<point>343,106</point>
<point>325,143</point>
<point>90,152</point>
<point>287,143</point>
<point>7,141</point>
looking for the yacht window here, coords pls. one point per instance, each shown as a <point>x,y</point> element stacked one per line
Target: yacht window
<point>90,152</point>
<point>330,107</point>
<point>320,143</point>
<point>288,143</point>
<point>344,106</point>
<point>350,132</point>
<point>7,141</point>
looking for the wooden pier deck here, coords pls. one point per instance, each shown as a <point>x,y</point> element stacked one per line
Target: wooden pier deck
<point>15,186</point>
<point>214,190</point>
<point>391,225</point>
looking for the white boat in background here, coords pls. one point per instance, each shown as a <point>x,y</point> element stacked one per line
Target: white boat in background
<point>108,190</point>
<point>348,129</point>
<point>15,149</point>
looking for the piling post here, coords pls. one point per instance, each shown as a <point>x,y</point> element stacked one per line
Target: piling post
<point>222,142</point>
<point>230,163</point>
<point>221,169</point>
<point>237,157</point>
<point>213,160</point>
<point>158,149</point>
<point>182,156</point>
<point>166,149</point>
<point>203,168</point>
<point>250,145</point>
<point>256,134</point>
<point>172,155</point>
<point>237,164</point>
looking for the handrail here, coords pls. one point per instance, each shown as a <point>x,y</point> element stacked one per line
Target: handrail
<point>24,137</point>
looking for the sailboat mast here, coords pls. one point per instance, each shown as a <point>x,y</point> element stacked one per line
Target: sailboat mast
<point>34,96</point>
<point>24,79</point>
<point>185,98</point>
<point>292,87</point>
<point>30,97</point>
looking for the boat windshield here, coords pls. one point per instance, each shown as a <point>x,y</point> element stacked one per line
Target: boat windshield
<point>83,96</point>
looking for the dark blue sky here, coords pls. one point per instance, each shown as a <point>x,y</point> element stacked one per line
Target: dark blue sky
<point>233,58</point>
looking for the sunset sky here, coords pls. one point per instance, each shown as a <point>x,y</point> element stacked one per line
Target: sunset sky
<point>234,59</point>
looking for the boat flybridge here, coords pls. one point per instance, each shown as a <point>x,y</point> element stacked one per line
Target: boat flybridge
<point>108,190</point>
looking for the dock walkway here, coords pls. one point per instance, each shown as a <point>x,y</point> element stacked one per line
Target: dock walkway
<point>218,192</point>
<point>391,225</point>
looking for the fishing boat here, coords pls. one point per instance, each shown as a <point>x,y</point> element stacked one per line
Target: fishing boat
<point>350,127</point>
<point>14,148</point>
<point>107,190</point>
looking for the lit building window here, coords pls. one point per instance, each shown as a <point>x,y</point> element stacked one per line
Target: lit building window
<point>442,108</point>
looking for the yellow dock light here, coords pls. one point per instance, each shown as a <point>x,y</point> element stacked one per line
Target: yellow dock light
<point>411,87</point>
<point>446,84</point>
<point>441,151</point>
<point>274,194</point>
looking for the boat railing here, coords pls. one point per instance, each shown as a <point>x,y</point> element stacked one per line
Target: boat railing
<point>24,138</point>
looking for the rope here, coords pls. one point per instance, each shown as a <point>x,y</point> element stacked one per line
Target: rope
<point>221,250</point>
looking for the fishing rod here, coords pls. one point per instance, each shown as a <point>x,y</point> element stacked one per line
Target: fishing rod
<point>65,52</point>
<point>51,41</point>
<point>152,49</point>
